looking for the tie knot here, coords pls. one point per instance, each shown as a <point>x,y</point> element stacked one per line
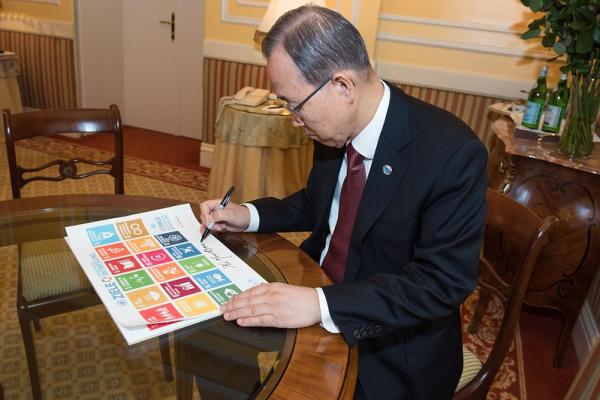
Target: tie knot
<point>354,157</point>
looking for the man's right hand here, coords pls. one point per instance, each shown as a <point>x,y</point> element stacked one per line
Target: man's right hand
<point>233,218</point>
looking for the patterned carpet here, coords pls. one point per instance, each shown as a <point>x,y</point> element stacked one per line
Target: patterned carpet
<point>138,166</point>
<point>82,361</point>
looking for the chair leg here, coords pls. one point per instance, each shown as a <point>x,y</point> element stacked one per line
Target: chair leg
<point>37,325</point>
<point>165,356</point>
<point>565,334</point>
<point>482,305</point>
<point>34,376</point>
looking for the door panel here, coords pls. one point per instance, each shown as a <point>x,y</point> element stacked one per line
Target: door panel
<point>150,66</point>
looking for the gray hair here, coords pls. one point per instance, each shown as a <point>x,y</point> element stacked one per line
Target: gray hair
<point>320,41</point>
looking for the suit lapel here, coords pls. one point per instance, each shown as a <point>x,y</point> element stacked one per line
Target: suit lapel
<point>381,187</point>
<point>329,160</point>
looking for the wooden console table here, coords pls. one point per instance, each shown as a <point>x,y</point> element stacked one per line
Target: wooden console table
<point>536,175</point>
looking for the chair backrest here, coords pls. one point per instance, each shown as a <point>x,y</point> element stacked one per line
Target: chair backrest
<point>51,122</point>
<point>513,238</point>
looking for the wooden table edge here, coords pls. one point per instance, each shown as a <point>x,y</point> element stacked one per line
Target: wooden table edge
<point>313,344</point>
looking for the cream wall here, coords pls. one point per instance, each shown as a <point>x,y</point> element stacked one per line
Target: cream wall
<point>230,26</point>
<point>471,44</point>
<point>58,10</point>
<point>502,13</point>
<point>466,45</point>
<point>44,17</point>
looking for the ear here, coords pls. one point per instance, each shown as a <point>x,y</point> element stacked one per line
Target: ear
<point>344,83</point>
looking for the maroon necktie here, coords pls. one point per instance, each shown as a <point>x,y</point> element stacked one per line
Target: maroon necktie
<point>334,263</point>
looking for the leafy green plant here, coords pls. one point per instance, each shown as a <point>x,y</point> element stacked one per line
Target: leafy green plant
<point>572,28</point>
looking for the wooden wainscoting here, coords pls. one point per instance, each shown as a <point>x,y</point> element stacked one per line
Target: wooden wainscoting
<point>224,78</point>
<point>47,69</point>
<point>471,108</point>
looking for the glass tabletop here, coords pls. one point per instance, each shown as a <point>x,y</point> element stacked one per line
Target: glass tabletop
<point>81,353</point>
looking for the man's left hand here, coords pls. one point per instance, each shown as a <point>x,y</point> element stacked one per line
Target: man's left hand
<point>276,305</point>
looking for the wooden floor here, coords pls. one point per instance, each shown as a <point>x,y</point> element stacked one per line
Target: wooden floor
<point>156,146</point>
<point>539,331</point>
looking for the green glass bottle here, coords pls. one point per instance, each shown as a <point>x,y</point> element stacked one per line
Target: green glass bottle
<point>536,101</point>
<point>557,105</point>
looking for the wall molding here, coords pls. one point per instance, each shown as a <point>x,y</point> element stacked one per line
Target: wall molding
<point>355,11</point>
<point>44,1</point>
<point>459,81</point>
<point>448,23</point>
<point>484,38</point>
<point>477,46</point>
<point>206,154</point>
<point>241,20</point>
<point>253,3</point>
<point>22,23</point>
<point>235,19</point>
<point>585,332</point>
<point>233,52</point>
<point>473,46</point>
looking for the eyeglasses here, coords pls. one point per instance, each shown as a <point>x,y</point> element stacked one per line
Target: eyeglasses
<point>296,109</point>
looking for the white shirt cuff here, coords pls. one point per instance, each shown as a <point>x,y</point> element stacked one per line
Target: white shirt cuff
<point>326,321</point>
<point>254,218</point>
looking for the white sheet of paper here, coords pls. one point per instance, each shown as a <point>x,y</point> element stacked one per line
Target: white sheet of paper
<point>152,272</point>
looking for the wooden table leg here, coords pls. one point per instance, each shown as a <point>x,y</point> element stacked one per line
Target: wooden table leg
<point>184,379</point>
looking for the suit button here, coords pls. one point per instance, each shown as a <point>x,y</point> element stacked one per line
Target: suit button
<point>378,328</point>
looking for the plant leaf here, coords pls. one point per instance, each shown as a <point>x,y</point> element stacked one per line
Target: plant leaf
<point>537,23</point>
<point>559,48</point>
<point>549,39</point>
<point>584,42</point>
<point>530,34</point>
<point>589,14</point>
<point>597,35</point>
<point>580,25</point>
<point>536,5</point>
<point>583,69</point>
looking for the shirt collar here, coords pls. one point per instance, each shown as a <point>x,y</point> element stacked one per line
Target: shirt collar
<point>366,141</point>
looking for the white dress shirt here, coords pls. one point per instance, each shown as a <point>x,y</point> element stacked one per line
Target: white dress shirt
<point>365,143</point>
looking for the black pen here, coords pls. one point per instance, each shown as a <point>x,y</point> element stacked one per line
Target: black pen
<point>222,205</point>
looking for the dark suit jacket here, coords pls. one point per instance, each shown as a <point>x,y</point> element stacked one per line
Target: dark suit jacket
<point>414,250</point>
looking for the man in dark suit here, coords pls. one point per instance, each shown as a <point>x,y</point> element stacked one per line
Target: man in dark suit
<point>395,203</point>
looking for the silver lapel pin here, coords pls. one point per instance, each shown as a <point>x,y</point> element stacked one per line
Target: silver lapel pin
<point>387,169</point>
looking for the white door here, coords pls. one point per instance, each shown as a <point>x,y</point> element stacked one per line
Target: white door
<point>127,56</point>
<point>150,65</point>
<point>163,65</point>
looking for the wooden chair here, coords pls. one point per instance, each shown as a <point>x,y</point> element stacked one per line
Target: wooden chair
<point>513,238</point>
<point>43,123</point>
<point>50,280</point>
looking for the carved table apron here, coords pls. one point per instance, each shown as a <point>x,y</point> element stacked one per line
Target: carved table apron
<point>535,175</point>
